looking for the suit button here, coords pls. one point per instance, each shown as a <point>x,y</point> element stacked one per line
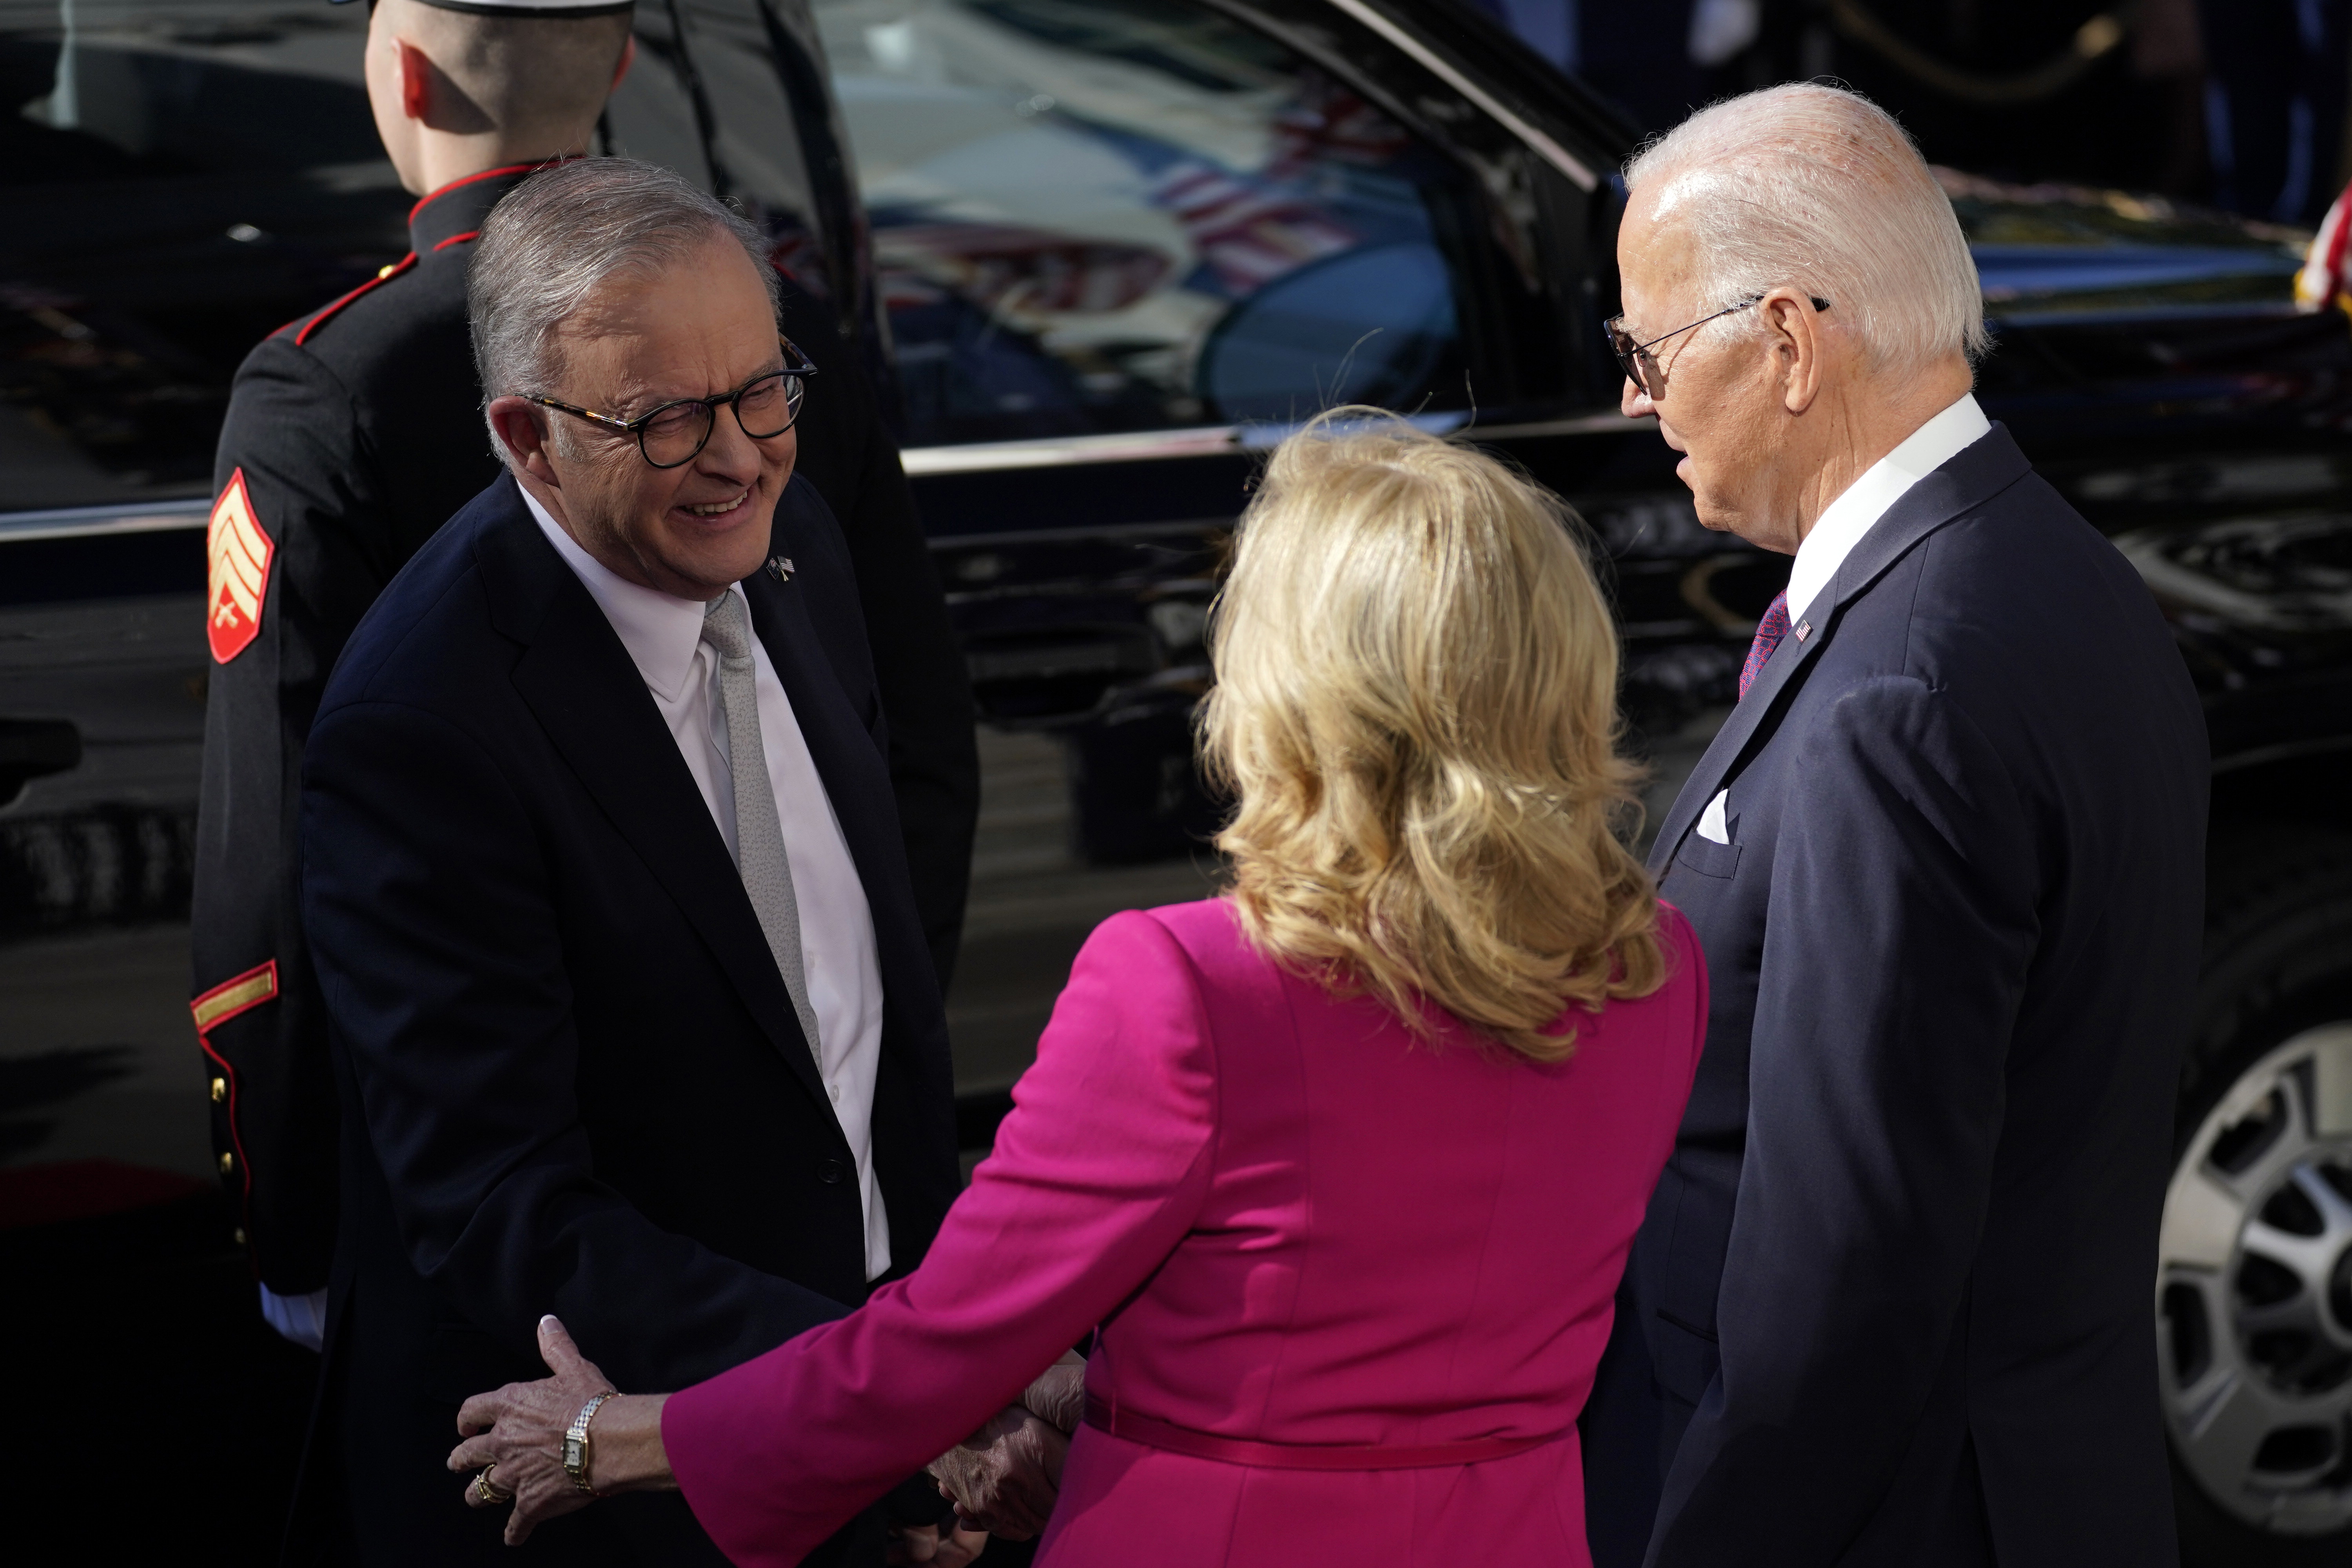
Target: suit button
<point>831,1171</point>
<point>227,1164</point>
<point>220,1089</point>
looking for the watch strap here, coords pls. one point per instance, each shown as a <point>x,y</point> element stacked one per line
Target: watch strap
<point>576,1443</point>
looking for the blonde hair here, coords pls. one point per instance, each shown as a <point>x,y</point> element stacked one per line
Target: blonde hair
<point>1416,707</point>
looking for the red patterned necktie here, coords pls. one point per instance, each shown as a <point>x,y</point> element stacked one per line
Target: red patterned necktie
<point>1769,633</point>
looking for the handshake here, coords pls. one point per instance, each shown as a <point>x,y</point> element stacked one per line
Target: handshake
<point>1003,1477</point>
<point>521,1443</point>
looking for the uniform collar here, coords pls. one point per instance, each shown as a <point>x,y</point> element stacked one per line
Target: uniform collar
<point>448,217</point>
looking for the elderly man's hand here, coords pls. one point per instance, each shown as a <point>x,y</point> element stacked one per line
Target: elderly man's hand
<point>1003,1477</point>
<point>1059,1393</point>
<point>924,1543</point>
<point>514,1440</point>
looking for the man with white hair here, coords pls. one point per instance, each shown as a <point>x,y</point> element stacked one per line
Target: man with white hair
<point>629,995</point>
<point>1890,1305</point>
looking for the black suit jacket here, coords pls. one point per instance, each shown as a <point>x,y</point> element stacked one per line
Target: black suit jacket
<point>1891,1304</point>
<point>580,1086</point>
<point>358,433</point>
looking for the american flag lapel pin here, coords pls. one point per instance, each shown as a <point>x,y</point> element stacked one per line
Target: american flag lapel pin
<point>780,567</point>
<point>1804,630</point>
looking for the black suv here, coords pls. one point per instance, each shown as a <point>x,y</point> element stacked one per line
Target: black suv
<point>1103,252</point>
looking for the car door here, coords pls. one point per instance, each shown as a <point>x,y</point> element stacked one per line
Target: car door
<point>1122,249</point>
<point>178,180</point>
<point>1124,246</point>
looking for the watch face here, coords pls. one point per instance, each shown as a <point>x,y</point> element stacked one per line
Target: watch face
<point>572,1453</point>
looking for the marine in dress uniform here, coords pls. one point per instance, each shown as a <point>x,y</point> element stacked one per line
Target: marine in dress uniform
<point>347,444</point>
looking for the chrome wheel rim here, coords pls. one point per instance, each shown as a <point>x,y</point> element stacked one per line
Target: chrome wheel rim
<point>2254,1291</point>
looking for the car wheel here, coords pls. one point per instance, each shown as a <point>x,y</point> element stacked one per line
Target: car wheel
<point>2253,1291</point>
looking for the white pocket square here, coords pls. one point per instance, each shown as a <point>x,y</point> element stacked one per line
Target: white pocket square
<point>1711,823</point>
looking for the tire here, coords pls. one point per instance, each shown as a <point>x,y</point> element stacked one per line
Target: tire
<point>2254,1294</point>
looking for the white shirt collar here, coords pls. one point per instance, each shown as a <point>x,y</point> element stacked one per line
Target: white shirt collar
<point>661,631</point>
<point>1844,523</point>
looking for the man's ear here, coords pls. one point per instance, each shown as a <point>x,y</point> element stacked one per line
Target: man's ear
<point>416,81</point>
<point>1796,333</point>
<point>522,431</point>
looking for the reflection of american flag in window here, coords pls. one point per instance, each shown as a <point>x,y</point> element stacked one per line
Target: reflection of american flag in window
<point>798,257</point>
<point>1249,234</point>
<point>1010,269</point>
<point>1327,121</point>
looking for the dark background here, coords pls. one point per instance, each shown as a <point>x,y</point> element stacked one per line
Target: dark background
<point>2236,103</point>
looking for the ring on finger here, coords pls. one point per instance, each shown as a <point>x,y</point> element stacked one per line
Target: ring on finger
<point>486,1491</point>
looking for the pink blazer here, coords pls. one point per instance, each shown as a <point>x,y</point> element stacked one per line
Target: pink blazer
<point>1297,1226</point>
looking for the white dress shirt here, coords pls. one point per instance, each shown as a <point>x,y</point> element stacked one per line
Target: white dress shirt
<point>1847,520</point>
<point>664,637</point>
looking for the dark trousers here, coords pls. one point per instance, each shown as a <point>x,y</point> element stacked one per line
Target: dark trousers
<point>1630,1428</point>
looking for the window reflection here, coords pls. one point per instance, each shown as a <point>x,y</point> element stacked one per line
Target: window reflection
<point>176,181</point>
<point>707,98</point>
<point>1111,215</point>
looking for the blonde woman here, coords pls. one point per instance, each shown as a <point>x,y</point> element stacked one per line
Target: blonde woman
<point>1341,1167</point>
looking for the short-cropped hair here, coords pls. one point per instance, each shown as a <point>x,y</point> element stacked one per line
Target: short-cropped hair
<point>1415,708</point>
<point>568,232</point>
<point>1816,188</point>
<point>540,78</point>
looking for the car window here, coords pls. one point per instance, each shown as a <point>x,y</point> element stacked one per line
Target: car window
<point>707,98</point>
<point>178,179</point>
<point>1122,215</point>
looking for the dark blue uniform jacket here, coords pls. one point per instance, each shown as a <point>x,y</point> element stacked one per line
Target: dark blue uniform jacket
<point>1892,1301</point>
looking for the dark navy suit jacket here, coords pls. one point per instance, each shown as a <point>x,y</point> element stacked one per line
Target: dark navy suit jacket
<point>580,1085</point>
<point>1892,1301</point>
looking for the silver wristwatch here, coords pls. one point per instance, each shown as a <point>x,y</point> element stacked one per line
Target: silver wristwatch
<point>576,1443</point>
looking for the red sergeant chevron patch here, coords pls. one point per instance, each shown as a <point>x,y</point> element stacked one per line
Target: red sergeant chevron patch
<point>237,557</point>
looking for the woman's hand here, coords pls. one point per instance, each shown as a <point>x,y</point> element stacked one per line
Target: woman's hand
<point>516,1435</point>
<point>1003,1478</point>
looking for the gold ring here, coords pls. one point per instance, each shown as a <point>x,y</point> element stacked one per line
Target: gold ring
<point>487,1493</point>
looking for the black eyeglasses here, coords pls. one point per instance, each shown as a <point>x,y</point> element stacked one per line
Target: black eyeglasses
<point>675,433</point>
<point>1641,367</point>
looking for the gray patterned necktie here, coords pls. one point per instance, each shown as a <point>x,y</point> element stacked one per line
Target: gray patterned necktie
<point>760,856</point>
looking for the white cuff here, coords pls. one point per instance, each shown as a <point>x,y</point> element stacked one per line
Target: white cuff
<point>302,1319</point>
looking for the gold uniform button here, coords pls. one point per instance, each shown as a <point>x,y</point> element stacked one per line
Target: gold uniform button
<point>227,1164</point>
<point>384,271</point>
<point>238,1236</point>
<point>220,1089</point>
